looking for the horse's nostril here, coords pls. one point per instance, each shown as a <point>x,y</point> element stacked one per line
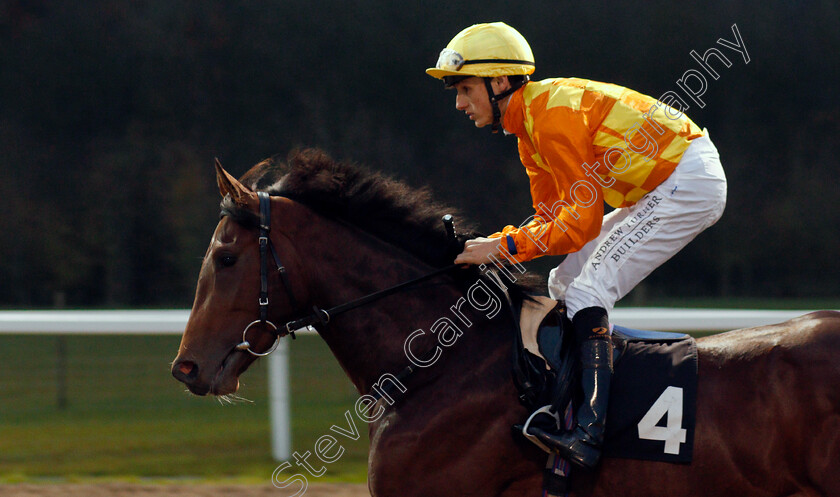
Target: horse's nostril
<point>185,370</point>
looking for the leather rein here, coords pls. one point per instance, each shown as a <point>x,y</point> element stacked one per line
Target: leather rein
<point>318,316</point>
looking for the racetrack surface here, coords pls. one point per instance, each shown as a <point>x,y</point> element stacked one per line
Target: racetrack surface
<point>170,490</point>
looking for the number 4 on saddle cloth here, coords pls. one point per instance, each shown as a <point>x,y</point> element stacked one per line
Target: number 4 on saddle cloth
<point>653,397</point>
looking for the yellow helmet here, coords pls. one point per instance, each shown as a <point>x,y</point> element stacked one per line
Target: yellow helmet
<point>486,51</point>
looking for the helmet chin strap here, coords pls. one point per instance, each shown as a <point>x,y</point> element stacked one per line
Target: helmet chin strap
<point>494,101</point>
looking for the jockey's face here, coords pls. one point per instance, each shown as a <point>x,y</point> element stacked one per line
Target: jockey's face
<point>472,99</point>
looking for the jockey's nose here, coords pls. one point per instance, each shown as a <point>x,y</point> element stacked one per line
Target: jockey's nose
<point>461,102</point>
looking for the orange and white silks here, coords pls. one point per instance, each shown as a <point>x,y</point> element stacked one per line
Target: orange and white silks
<point>584,143</point>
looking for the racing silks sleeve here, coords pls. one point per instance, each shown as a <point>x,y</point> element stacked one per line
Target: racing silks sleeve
<point>568,202</point>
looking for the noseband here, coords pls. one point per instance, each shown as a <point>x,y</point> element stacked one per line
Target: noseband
<point>319,316</point>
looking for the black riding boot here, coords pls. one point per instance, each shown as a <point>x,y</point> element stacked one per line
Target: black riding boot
<point>582,445</point>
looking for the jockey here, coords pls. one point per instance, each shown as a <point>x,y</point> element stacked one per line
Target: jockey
<point>583,144</point>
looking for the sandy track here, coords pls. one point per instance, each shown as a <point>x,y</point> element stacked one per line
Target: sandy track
<point>169,490</point>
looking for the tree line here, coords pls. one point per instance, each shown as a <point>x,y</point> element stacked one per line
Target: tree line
<point>111,114</point>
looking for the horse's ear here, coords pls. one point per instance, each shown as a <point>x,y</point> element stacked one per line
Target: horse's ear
<point>239,193</point>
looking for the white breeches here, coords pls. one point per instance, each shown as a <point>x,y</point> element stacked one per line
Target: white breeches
<point>637,239</point>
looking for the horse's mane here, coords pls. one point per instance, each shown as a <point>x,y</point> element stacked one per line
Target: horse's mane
<point>404,216</point>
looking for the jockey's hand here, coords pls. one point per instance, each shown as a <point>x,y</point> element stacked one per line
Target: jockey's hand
<point>478,251</point>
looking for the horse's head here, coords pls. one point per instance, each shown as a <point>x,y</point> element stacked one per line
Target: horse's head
<point>228,295</point>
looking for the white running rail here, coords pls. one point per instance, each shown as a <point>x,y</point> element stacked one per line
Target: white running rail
<point>173,322</point>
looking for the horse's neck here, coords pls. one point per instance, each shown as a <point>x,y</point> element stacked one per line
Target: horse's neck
<point>370,340</point>
<point>387,335</point>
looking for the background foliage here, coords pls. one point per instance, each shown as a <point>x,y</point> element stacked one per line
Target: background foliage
<point>112,112</point>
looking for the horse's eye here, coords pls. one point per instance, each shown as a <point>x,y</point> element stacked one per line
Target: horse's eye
<point>227,260</point>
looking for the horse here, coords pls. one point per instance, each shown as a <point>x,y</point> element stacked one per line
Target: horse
<point>768,409</point>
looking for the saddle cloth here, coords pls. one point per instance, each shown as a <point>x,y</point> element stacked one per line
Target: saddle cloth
<point>653,396</point>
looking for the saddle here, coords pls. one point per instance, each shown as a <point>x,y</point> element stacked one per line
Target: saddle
<point>544,359</point>
<point>653,397</point>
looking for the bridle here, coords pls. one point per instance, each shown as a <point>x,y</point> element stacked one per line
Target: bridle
<point>318,316</point>
<point>265,247</point>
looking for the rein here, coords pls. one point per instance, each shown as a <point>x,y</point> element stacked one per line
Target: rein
<point>319,316</point>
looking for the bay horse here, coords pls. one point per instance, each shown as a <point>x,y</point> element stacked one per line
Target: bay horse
<point>768,410</point>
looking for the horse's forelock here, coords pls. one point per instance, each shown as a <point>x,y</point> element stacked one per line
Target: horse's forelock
<point>244,217</point>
